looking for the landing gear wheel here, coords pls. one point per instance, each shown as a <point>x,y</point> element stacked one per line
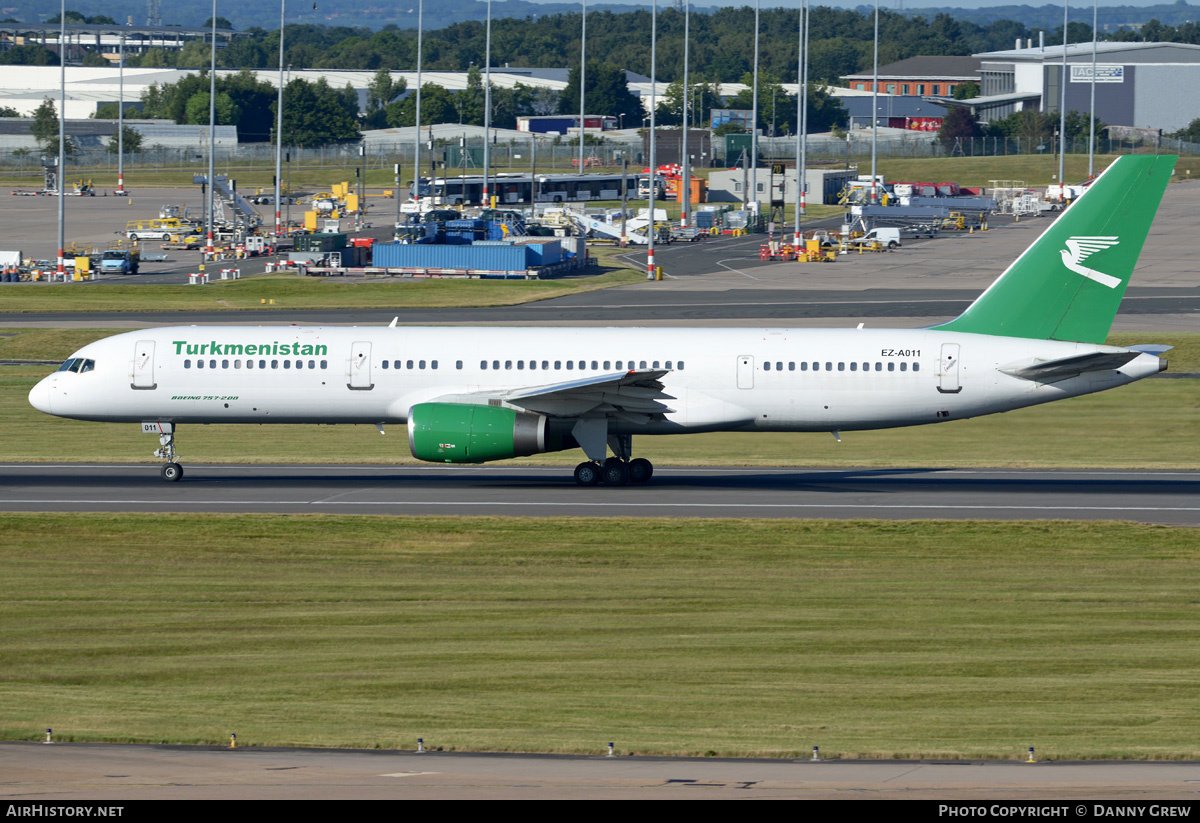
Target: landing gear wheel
<point>171,472</point>
<point>640,470</point>
<point>587,474</point>
<point>615,472</point>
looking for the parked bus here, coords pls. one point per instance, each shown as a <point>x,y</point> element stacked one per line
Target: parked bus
<point>515,188</point>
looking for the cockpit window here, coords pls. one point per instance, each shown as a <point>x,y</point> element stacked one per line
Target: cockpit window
<point>78,365</point>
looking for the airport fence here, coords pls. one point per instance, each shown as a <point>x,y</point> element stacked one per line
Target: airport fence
<point>550,155</point>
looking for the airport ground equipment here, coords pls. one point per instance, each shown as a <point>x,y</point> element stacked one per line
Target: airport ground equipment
<point>244,211</point>
<point>915,220</point>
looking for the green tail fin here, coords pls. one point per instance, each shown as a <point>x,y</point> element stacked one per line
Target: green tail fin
<point>1069,283</point>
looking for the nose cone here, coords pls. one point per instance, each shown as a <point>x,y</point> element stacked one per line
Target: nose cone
<point>39,396</point>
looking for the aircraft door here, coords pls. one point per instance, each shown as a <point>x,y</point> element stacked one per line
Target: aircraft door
<point>948,370</point>
<point>143,366</point>
<point>360,367</point>
<point>745,371</point>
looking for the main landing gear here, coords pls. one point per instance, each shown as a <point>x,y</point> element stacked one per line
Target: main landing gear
<point>171,471</point>
<point>615,471</point>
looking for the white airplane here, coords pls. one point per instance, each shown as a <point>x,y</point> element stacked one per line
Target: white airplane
<point>470,395</point>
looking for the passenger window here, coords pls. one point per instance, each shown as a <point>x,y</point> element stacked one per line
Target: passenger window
<point>643,364</point>
<point>595,365</point>
<point>608,365</point>
<point>557,365</point>
<point>619,366</point>
<point>409,364</point>
<point>300,364</point>
<point>287,364</point>
<point>804,364</point>
<point>891,366</point>
<point>458,363</point>
<point>680,365</point>
<point>828,366</point>
<point>312,364</point>
<point>224,364</point>
<point>878,367</point>
<point>324,363</point>
<point>766,366</point>
<point>853,367</point>
<point>816,366</point>
<point>274,364</point>
<point>778,366</point>
<point>421,364</point>
<point>791,366</point>
<point>533,365</point>
<point>212,364</point>
<point>483,363</point>
<point>655,365</point>
<point>249,364</point>
<point>570,365</point>
<point>385,364</point>
<point>903,367</point>
<point>237,364</point>
<point>433,364</point>
<point>262,364</point>
<point>508,364</point>
<point>916,366</point>
<point>841,366</point>
<point>187,364</point>
<point>199,364</point>
<point>545,365</point>
<point>520,365</point>
<point>495,364</point>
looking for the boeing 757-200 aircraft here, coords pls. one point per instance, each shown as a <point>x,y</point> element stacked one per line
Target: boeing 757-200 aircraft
<point>470,395</point>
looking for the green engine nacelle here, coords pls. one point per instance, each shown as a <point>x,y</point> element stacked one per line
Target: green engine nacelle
<point>462,433</point>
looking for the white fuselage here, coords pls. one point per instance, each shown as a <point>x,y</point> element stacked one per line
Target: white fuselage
<point>718,379</point>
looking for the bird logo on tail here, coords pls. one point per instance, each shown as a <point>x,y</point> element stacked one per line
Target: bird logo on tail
<point>1081,248</point>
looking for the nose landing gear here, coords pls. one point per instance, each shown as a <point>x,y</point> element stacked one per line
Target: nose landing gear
<point>171,470</point>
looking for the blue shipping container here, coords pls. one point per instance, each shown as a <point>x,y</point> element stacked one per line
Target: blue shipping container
<point>544,254</point>
<point>485,258</point>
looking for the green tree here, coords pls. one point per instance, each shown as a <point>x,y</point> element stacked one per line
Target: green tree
<point>29,55</point>
<point>9,111</point>
<point>1191,132</point>
<point>958,125</point>
<point>437,106</point>
<point>315,114</point>
<point>45,125</point>
<point>131,137</point>
<point>966,91</point>
<point>607,93</point>
<point>775,106</point>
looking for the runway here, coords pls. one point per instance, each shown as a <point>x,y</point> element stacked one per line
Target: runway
<point>59,774</point>
<point>1165,497</point>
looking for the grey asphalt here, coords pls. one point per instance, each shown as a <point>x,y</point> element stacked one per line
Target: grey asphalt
<point>1167,497</point>
<point>61,774</point>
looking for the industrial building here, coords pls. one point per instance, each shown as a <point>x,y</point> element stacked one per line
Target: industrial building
<point>1147,85</point>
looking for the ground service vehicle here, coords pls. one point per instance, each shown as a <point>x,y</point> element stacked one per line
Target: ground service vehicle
<point>119,261</point>
<point>476,394</point>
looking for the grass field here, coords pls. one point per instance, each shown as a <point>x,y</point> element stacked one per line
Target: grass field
<point>692,637</point>
<point>292,292</point>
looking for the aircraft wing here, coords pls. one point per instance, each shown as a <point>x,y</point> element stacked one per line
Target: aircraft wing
<point>632,396</point>
<point>1051,371</point>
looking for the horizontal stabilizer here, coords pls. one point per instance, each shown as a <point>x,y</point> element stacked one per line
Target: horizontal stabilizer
<point>1050,371</point>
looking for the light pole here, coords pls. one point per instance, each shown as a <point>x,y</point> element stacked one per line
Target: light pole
<point>487,108</point>
<point>121,117</point>
<point>212,119</point>
<point>62,125</point>
<point>582,84</point>
<point>417,149</point>
<point>279,129</point>
<point>1062,107</point>
<point>686,194</point>
<point>801,96</point>
<point>652,228</point>
<point>754,119</point>
<point>1092,118</point>
<point>875,105</point>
